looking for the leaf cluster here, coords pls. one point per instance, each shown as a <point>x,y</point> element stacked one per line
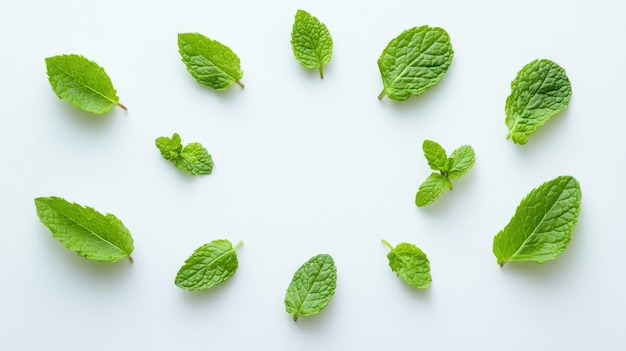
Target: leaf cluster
<point>193,158</point>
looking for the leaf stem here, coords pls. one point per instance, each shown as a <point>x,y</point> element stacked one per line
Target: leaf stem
<point>130,258</point>
<point>240,84</point>
<point>382,94</point>
<point>122,106</point>
<point>238,244</point>
<point>388,244</point>
<point>295,317</point>
<point>321,73</point>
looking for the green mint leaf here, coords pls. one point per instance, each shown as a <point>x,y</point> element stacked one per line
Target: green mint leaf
<point>435,155</point>
<point>193,158</point>
<point>312,286</point>
<point>210,62</point>
<point>82,82</point>
<point>170,147</point>
<point>435,185</point>
<point>311,42</point>
<point>460,162</point>
<point>540,91</point>
<point>209,265</point>
<point>453,167</point>
<point>410,264</point>
<point>84,230</point>
<point>414,61</point>
<point>542,225</point>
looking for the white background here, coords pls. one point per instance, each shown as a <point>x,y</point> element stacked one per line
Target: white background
<point>305,166</point>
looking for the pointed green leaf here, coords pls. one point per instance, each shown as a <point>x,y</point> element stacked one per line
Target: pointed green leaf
<point>193,158</point>
<point>170,147</point>
<point>210,62</point>
<point>311,42</point>
<point>84,230</point>
<point>435,185</point>
<point>540,91</point>
<point>460,162</point>
<point>410,264</point>
<point>82,82</point>
<point>209,265</point>
<point>312,286</point>
<point>414,61</point>
<point>435,155</point>
<point>542,225</point>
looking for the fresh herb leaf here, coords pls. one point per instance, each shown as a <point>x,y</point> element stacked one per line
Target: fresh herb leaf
<point>84,230</point>
<point>210,62</point>
<point>414,61</point>
<point>453,167</point>
<point>435,185</point>
<point>410,264</point>
<point>460,162</point>
<point>209,265</point>
<point>435,155</point>
<point>193,158</point>
<point>312,286</point>
<point>82,82</point>
<point>542,225</point>
<point>540,91</point>
<point>311,42</point>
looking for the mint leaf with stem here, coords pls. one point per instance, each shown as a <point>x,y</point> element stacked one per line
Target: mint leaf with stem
<point>414,61</point>
<point>410,264</point>
<point>312,287</point>
<point>84,230</point>
<point>209,265</point>
<point>542,225</point>
<point>540,90</point>
<point>210,62</point>
<point>311,42</point>
<point>193,158</point>
<point>82,82</point>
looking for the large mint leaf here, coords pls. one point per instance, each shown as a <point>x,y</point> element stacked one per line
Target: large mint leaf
<point>311,42</point>
<point>84,230</point>
<point>542,225</point>
<point>312,286</point>
<point>209,265</point>
<point>82,82</point>
<point>210,62</point>
<point>540,91</point>
<point>414,61</point>
<point>410,264</point>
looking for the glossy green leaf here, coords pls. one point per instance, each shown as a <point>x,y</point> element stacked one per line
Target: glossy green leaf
<point>82,82</point>
<point>540,91</point>
<point>542,225</point>
<point>311,42</point>
<point>414,61</point>
<point>210,62</point>
<point>209,265</point>
<point>410,264</point>
<point>312,286</point>
<point>84,230</point>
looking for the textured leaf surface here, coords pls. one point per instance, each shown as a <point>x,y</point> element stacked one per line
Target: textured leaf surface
<point>210,62</point>
<point>82,82</point>
<point>193,158</point>
<point>540,91</point>
<point>435,185</point>
<point>542,225</point>
<point>435,155</point>
<point>410,264</point>
<point>84,230</point>
<point>460,162</point>
<point>312,286</point>
<point>414,61</point>
<point>311,42</point>
<point>209,265</point>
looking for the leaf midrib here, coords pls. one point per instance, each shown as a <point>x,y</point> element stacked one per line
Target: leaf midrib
<point>209,60</point>
<point>308,291</point>
<point>84,85</point>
